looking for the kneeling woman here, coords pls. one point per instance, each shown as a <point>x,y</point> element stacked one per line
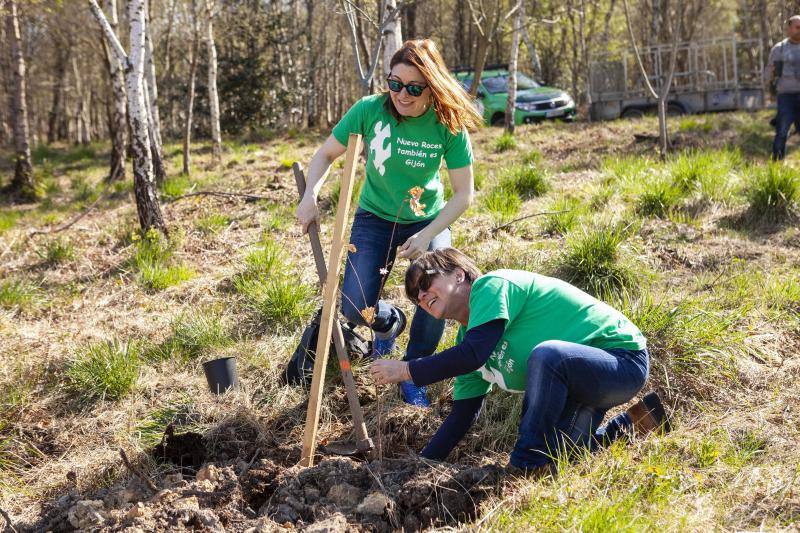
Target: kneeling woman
<point>573,357</point>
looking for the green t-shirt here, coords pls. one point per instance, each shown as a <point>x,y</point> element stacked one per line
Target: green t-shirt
<point>401,156</point>
<point>536,308</point>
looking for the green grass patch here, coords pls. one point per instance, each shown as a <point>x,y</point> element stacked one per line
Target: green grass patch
<point>155,265</point>
<point>532,158</point>
<point>565,213</point>
<point>175,186</point>
<point>503,203</point>
<point>695,125</point>
<point>104,371</point>
<point>659,199</point>
<point>193,334</point>
<point>707,173</point>
<point>8,219</point>
<point>150,431</point>
<point>592,261</point>
<point>20,295</point>
<point>627,168</point>
<point>505,142</point>
<point>212,224</point>
<point>277,302</point>
<point>266,259</point>
<point>336,191</point>
<point>56,251</point>
<point>82,190</point>
<point>773,193</point>
<point>526,180</point>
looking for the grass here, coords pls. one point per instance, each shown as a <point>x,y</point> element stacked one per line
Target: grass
<point>212,224</point>
<point>354,196</point>
<point>175,186</point>
<point>565,213</point>
<point>279,302</point>
<point>660,199</point>
<point>18,294</point>
<point>593,261</point>
<point>154,263</point>
<point>527,181</point>
<point>503,203</point>
<point>264,260</point>
<point>82,190</point>
<point>194,333</point>
<point>8,219</point>
<point>773,193</point>
<point>505,142</point>
<point>56,252</point>
<point>105,370</point>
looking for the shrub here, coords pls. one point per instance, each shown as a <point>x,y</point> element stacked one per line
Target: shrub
<point>591,261</point>
<point>104,371</point>
<point>773,193</point>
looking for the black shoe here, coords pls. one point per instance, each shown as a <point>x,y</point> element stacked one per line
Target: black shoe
<point>648,415</point>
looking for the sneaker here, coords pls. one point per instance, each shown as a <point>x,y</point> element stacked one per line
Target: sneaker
<point>648,415</point>
<point>414,395</point>
<point>384,347</point>
<point>532,472</point>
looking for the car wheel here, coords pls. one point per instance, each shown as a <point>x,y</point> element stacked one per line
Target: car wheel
<point>632,112</point>
<point>498,119</point>
<point>675,110</point>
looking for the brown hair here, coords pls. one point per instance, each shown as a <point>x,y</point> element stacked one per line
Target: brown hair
<point>453,106</point>
<point>441,261</point>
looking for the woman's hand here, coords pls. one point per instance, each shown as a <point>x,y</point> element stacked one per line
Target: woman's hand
<point>307,212</point>
<point>415,246</point>
<point>387,371</point>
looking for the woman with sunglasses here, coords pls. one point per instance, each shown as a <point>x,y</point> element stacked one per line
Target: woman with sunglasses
<point>571,355</point>
<point>421,122</point>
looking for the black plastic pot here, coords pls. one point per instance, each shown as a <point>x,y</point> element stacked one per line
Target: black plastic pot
<point>221,375</point>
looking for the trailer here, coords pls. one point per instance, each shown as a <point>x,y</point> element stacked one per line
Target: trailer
<point>720,74</point>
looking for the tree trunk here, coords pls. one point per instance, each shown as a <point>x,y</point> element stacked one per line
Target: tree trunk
<point>411,21</point>
<point>22,185</point>
<point>187,130</point>
<point>480,61</point>
<point>81,118</point>
<point>392,35</point>
<point>511,101</point>
<point>118,125</point>
<point>56,110</point>
<point>213,98</point>
<point>151,95</point>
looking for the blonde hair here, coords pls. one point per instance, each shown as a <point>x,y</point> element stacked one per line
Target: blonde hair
<point>453,106</point>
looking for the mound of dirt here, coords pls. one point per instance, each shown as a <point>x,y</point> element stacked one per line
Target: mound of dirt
<point>335,495</point>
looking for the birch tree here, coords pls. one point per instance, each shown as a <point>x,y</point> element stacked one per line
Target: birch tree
<point>511,100</point>
<point>365,75</point>
<point>213,96</point>
<point>154,119</point>
<point>23,185</point>
<point>187,132</point>
<point>392,34</point>
<point>144,187</point>
<point>488,24</point>
<point>118,125</point>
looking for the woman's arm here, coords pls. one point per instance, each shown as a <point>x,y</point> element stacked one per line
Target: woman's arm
<point>453,429</point>
<point>463,191</point>
<point>315,177</point>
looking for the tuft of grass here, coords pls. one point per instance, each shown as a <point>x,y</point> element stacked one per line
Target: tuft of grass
<point>532,158</point>
<point>213,223</point>
<point>565,213</point>
<point>591,261</point>
<point>708,173</point>
<point>695,124</point>
<point>354,196</point>
<point>8,220</point>
<point>267,259</point>
<point>154,263</point>
<point>82,190</point>
<point>56,251</point>
<point>527,181</point>
<point>626,169</point>
<point>193,334</point>
<point>278,302</point>
<point>505,142</point>
<point>660,199</point>
<point>503,203</point>
<point>150,431</point>
<point>773,193</point>
<point>16,294</point>
<point>104,371</point>
<point>175,186</point>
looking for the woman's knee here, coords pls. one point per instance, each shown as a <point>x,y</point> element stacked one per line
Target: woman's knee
<point>549,354</point>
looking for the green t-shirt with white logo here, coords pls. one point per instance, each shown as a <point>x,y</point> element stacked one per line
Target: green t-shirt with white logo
<point>402,155</point>
<point>536,308</point>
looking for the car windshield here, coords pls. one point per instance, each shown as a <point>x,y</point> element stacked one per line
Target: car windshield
<point>498,83</point>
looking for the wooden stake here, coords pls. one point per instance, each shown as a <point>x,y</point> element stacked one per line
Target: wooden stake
<point>329,302</point>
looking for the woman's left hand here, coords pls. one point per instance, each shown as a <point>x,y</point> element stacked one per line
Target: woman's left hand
<point>387,371</point>
<point>415,246</point>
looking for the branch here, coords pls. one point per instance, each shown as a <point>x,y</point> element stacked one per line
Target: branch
<point>647,83</point>
<point>222,194</point>
<point>110,35</point>
<point>541,213</point>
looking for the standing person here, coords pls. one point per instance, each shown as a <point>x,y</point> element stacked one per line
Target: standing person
<point>423,120</point>
<point>571,355</point>
<point>783,70</point>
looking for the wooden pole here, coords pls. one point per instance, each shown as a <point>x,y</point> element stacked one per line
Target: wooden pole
<point>329,302</point>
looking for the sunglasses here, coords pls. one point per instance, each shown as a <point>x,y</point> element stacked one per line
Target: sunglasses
<point>423,283</point>
<point>396,86</point>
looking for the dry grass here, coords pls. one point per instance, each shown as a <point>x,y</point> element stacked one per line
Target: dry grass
<point>719,301</point>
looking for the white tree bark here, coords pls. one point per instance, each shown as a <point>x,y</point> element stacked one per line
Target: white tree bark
<point>144,186</point>
<point>213,96</point>
<point>22,185</point>
<point>187,131</point>
<point>511,100</point>
<point>82,134</point>
<point>392,34</point>
<point>119,113</point>
<point>151,100</point>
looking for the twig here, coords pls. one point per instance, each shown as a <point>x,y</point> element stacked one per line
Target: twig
<point>507,224</point>
<point>249,197</point>
<point>69,224</point>
<point>137,472</point>
<point>9,525</point>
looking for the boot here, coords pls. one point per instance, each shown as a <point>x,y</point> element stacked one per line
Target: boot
<point>383,347</point>
<point>648,415</point>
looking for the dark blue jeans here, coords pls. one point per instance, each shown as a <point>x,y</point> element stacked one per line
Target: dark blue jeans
<point>376,241</point>
<point>788,114</point>
<point>570,387</point>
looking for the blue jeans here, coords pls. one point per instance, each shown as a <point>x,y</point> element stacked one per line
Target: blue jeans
<point>570,387</point>
<point>788,113</point>
<point>376,241</point>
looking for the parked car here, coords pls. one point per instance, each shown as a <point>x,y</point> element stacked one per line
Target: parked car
<point>535,101</point>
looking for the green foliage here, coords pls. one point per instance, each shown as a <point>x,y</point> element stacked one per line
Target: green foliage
<point>193,334</point>
<point>627,168</point>
<point>708,173</point>
<point>18,294</point>
<point>56,251</point>
<point>8,219</point>
<point>591,261</point>
<point>82,190</point>
<point>213,223</point>
<point>564,214</point>
<point>264,260</point>
<point>503,203</point>
<point>155,265</point>
<point>480,174</point>
<point>505,142</point>
<point>104,371</point>
<point>773,192</point>
<point>695,124</point>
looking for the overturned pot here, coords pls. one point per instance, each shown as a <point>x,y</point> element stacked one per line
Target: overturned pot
<point>221,375</point>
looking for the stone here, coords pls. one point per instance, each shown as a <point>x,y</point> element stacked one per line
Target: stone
<point>136,511</point>
<point>205,485</point>
<point>334,524</point>
<point>344,494</point>
<point>209,472</point>
<point>210,520</point>
<point>87,514</point>
<point>374,504</point>
<point>189,503</point>
<point>171,480</point>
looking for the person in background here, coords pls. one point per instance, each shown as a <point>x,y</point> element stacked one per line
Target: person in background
<point>422,121</point>
<point>783,74</point>
<point>572,356</point>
